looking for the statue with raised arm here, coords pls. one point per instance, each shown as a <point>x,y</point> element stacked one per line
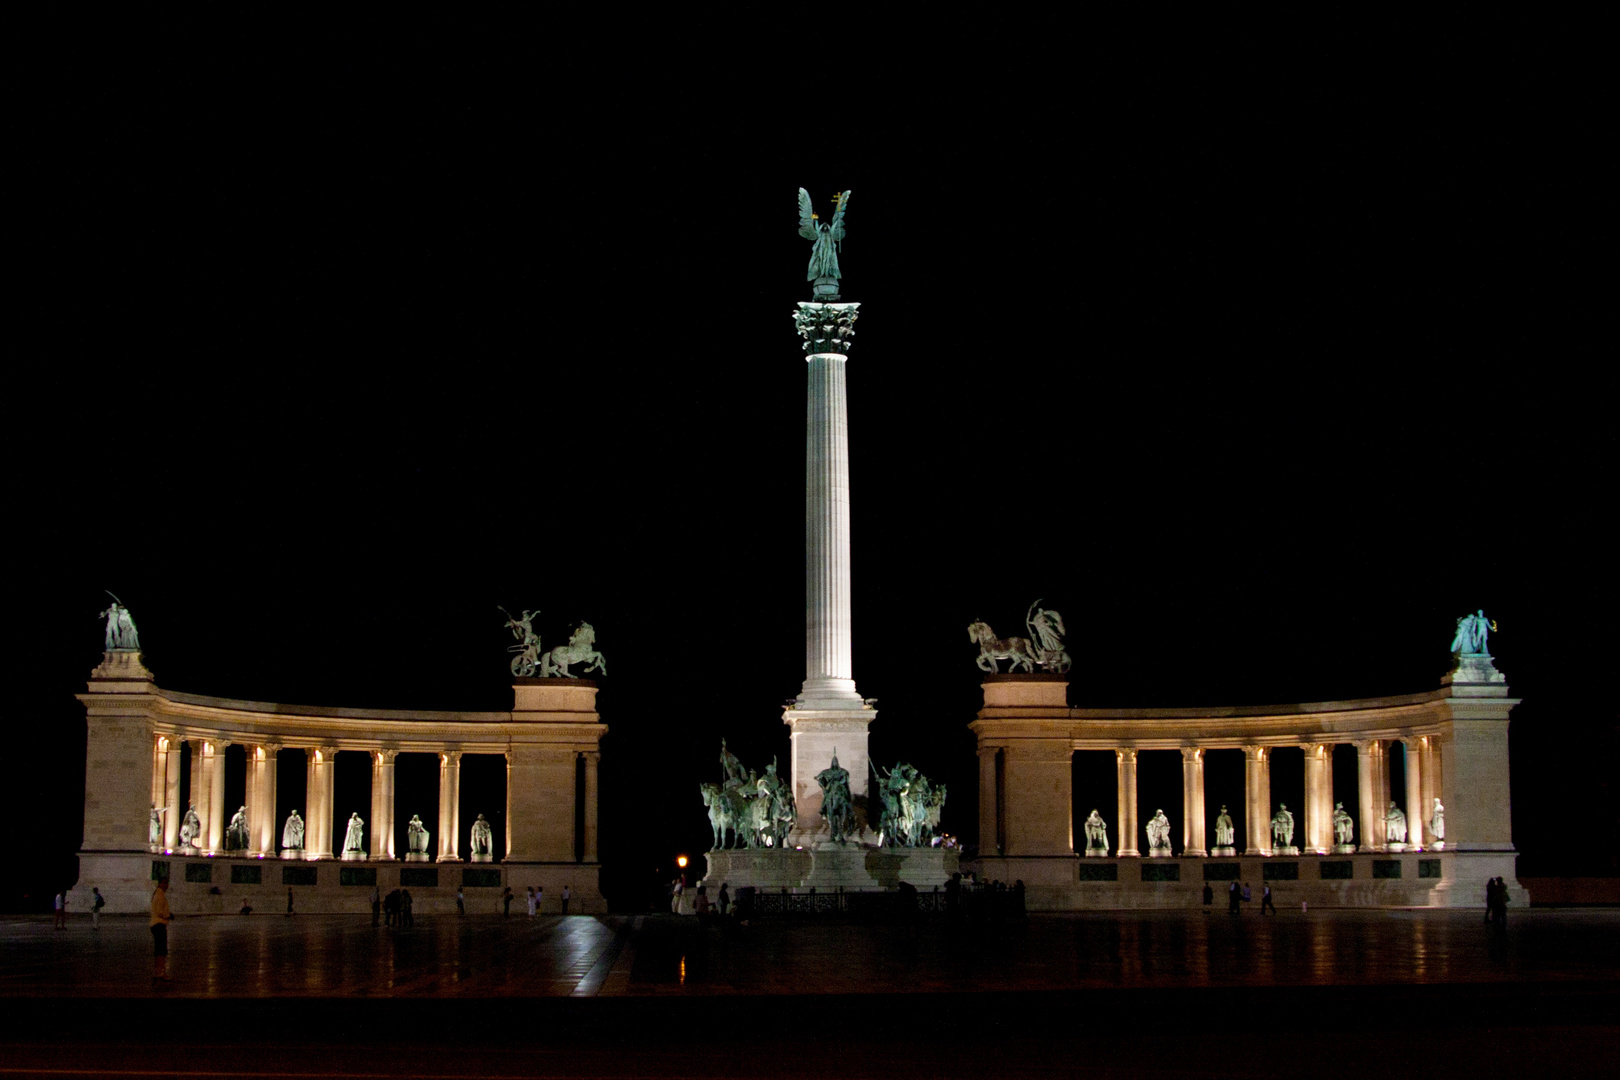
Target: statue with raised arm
<point>236,833</point>
<point>1395,824</point>
<point>1344,826</point>
<point>527,660</point>
<point>837,806</point>
<point>416,836</point>
<point>483,837</point>
<point>1437,823</point>
<point>1282,827</point>
<point>120,627</point>
<point>354,837</point>
<point>825,238</point>
<point>190,827</point>
<point>1158,833</point>
<point>1096,833</point>
<point>1225,833</point>
<point>1046,633</point>
<point>292,833</point>
<point>1473,632</point>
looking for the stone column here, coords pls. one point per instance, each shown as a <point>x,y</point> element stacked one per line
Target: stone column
<point>171,776</point>
<point>318,830</point>
<point>263,813</point>
<point>1125,763</point>
<point>158,761</point>
<point>1427,791</point>
<point>214,766</point>
<point>989,825</point>
<point>1192,795</point>
<point>1318,831</point>
<point>592,758</point>
<point>1257,799</point>
<point>1414,796</point>
<point>1365,764</point>
<point>382,804</point>
<point>829,680</point>
<point>450,806</point>
<point>197,794</point>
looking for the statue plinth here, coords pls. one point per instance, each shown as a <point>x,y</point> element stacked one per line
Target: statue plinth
<point>1097,853</point>
<point>292,853</point>
<point>480,858</point>
<point>418,856</point>
<point>1476,676</point>
<point>1344,849</point>
<point>1395,848</point>
<point>1227,852</point>
<point>1160,853</point>
<point>354,856</point>
<point>1289,850</point>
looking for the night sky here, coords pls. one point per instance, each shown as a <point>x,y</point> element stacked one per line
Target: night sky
<point>1261,381</point>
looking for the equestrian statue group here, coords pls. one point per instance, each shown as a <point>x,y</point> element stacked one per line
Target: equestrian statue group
<point>748,810</point>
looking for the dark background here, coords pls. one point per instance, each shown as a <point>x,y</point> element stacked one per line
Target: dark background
<point>1261,372</point>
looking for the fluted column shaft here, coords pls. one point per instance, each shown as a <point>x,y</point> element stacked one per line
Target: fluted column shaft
<point>1318,792</point>
<point>197,793</point>
<point>262,812</point>
<point>1192,801</point>
<point>1257,792</point>
<point>318,829</point>
<point>450,806</point>
<point>1414,797</point>
<point>214,767</point>
<point>382,803</point>
<point>171,775</point>
<point>1365,766</point>
<point>829,673</point>
<point>1429,789</point>
<point>1125,764</point>
<point>159,760</point>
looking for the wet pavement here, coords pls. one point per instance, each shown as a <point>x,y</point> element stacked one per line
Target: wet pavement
<point>1325,994</point>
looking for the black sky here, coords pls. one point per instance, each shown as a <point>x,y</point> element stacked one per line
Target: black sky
<point>1261,375</point>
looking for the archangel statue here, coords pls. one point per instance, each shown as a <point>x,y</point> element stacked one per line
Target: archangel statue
<point>826,238</point>
<point>120,627</point>
<point>837,807</point>
<point>1472,632</point>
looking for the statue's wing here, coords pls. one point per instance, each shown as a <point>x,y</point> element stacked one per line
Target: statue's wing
<point>807,216</point>
<point>838,216</point>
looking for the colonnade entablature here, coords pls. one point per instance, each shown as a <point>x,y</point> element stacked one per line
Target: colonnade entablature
<point>1452,747</point>
<point>550,740</point>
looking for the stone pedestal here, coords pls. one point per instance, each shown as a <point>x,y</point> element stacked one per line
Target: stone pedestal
<point>354,856</point>
<point>418,856</point>
<point>1223,852</point>
<point>1097,853</point>
<point>1344,849</point>
<point>481,858</point>
<point>292,853</point>
<point>1395,848</point>
<point>816,735</point>
<point>1289,850</point>
<point>828,868</point>
<point>1160,853</point>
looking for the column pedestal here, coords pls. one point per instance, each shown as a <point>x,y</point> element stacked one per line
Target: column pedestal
<point>815,735</point>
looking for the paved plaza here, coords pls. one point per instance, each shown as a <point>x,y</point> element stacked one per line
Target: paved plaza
<point>1166,993</point>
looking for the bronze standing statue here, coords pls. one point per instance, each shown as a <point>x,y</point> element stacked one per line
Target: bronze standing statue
<point>826,236</point>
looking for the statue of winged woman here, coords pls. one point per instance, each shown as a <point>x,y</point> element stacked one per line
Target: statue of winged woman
<point>826,236</point>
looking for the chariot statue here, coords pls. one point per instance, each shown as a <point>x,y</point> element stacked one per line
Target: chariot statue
<point>579,650</point>
<point>1046,632</point>
<point>1021,652</point>
<point>527,660</point>
<point>826,239</point>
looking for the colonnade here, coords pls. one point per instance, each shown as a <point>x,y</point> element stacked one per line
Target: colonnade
<point>207,798</point>
<point>1313,821</point>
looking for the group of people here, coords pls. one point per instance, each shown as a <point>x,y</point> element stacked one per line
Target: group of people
<point>534,899</point>
<point>1496,899</point>
<point>396,908</point>
<point>1238,895</point>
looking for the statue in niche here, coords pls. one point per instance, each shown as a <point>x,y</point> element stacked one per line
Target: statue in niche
<point>236,833</point>
<point>825,238</point>
<point>579,650</point>
<point>154,828</point>
<point>354,837</point>
<point>120,627</point>
<point>1096,832</point>
<point>1158,832</point>
<point>1225,834</point>
<point>416,836</point>
<point>1282,827</point>
<point>1472,634</point>
<point>190,827</point>
<point>483,837</point>
<point>1437,823</point>
<point>292,833</point>
<point>1046,631</point>
<point>528,647</point>
<point>837,806</point>
<point>1344,827</point>
<point>1395,824</point>
<point>1021,652</point>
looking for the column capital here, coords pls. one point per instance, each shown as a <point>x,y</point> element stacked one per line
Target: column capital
<point>450,757</point>
<point>1192,755</point>
<point>1125,755</point>
<point>591,755</point>
<point>385,757</point>
<point>1256,753</point>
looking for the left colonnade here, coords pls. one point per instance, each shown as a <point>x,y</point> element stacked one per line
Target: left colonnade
<point>178,824</point>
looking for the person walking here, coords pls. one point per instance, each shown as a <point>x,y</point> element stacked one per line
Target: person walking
<point>725,900</point>
<point>568,894</point>
<point>61,910</point>
<point>461,901</point>
<point>540,899</point>
<point>1233,895</point>
<point>506,902</point>
<point>96,904</point>
<point>289,903</point>
<point>161,917</point>
<point>1209,897</point>
<point>1248,897</point>
<point>530,900</point>
<point>1266,902</point>
<point>405,913</point>
<point>376,905</point>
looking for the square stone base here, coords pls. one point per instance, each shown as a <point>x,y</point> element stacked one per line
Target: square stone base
<point>354,856</point>
<point>829,868</point>
<point>418,856</point>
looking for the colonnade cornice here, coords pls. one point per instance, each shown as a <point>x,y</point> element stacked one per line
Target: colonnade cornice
<point>436,739</point>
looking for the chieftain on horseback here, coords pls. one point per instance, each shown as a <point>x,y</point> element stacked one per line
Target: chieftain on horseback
<point>748,810</point>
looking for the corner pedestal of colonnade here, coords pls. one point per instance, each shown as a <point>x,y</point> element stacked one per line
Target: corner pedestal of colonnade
<point>1452,741</point>
<point>138,734</point>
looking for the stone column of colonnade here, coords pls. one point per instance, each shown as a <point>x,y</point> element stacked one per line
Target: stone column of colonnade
<point>450,806</point>
<point>158,794</point>
<point>200,788</point>
<point>381,834</point>
<point>1414,796</point>
<point>1125,764</point>
<point>1318,831</point>
<point>592,759</point>
<point>1257,799</point>
<point>262,804</point>
<point>1192,792</point>
<point>318,818</point>
<point>171,792</point>
<point>1365,765</point>
<point>989,813</point>
<point>214,762</point>
<point>1430,787</point>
